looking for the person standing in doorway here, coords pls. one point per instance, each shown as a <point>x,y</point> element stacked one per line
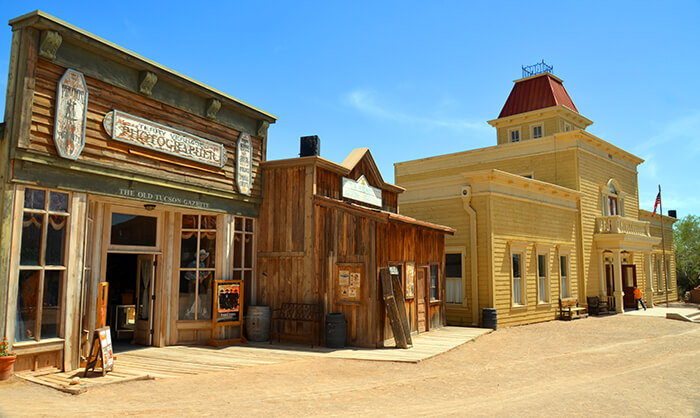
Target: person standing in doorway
<point>638,298</point>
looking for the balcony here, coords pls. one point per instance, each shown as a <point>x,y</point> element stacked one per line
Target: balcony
<point>619,225</point>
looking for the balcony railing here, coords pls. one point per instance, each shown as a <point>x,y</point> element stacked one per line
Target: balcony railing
<point>619,225</point>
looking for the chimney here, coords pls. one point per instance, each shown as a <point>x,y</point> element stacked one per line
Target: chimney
<point>310,146</point>
<point>672,213</point>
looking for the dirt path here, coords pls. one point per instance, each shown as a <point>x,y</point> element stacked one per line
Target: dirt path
<point>618,365</point>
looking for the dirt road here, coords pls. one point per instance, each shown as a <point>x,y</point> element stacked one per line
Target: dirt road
<point>617,365</point>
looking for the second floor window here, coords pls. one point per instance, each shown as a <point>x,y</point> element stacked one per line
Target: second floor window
<point>537,131</point>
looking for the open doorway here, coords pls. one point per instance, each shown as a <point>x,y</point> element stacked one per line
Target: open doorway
<point>131,280</point>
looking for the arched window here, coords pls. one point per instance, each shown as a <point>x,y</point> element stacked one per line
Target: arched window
<point>613,199</point>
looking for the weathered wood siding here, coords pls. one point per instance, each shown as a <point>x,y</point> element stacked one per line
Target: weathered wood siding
<point>109,155</point>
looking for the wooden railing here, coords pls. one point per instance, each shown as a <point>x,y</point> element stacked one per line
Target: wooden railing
<point>619,225</point>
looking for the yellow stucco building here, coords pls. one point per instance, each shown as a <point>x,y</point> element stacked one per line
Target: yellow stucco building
<point>551,212</point>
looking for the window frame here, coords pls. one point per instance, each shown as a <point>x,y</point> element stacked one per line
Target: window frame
<point>437,288</point>
<point>42,267</point>
<point>214,271</point>
<point>568,127</point>
<point>543,252</point>
<point>462,252</point>
<point>566,254</point>
<point>608,197</point>
<point>533,127</point>
<point>511,131</point>
<point>519,249</point>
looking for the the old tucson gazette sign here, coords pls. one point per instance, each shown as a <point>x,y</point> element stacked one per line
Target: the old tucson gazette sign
<point>71,111</point>
<point>148,134</point>
<point>244,169</point>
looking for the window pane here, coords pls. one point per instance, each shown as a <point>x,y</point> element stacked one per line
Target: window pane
<point>237,275</point>
<point>434,283</point>
<point>204,301</point>
<point>133,229</point>
<point>541,265</point>
<point>31,239</point>
<point>516,265</point>
<point>542,290</point>
<point>516,292</point>
<point>239,224</point>
<point>55,239</point>
<point>207,249</point>
<point>453,265</point>
<point>248,251</point>
<point>34,199</point>
<point>51,310</point>
<point>189,221</point>
<point>208,222</point>
<point>564,288</point>
<point>454,290</point>
<point>27,299</point>
<point>249,225</point>
<point>188,249</point>
<point>563,266</point>
<point>58,202</point>
<point>238,250</point>
<point>187,300</point>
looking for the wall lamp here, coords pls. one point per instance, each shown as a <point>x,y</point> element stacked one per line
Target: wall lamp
<point>149,206</point>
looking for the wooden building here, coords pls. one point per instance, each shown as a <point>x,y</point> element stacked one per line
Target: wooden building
<point>551,212</point>
<point>116,169</point>
<point>325,231</point>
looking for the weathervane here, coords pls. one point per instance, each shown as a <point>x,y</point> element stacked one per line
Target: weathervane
<point>535,69</point>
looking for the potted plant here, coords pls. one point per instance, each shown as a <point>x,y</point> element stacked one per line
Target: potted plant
<point>7,360</point>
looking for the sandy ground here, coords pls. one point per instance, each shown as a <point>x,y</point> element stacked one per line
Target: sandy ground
<point>611,366</point>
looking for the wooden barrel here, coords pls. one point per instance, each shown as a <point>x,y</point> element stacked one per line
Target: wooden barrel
<point>335,330</point>
<point>257,323</point>
<point>489,318</point>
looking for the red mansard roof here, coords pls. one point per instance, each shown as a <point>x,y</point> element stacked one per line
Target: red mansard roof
<point>536,92</point>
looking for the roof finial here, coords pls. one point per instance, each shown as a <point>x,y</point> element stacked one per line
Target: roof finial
<point>535,69</point>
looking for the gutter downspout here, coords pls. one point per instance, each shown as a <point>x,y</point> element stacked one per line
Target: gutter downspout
<point>466,199</point>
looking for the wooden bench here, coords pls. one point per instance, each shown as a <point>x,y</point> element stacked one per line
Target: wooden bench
<point>569,309</point>
<point>294,313</point>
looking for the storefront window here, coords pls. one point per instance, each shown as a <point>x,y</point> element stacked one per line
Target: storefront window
<point>243,250</point>
<point>434,289</point>
<point>42,265</point>
<point>197,266</point>
<point>128,229</point>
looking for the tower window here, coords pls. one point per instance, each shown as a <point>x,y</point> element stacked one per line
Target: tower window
<point>537,131</point>
<point>515,135</point>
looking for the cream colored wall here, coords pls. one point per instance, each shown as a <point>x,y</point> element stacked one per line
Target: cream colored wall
<point>594,173</point>
<point>655,230</point>
<point>537,227</point>
<point>551,126</point>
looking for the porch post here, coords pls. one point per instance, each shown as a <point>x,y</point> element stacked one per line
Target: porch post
<point>601,273</point>
<point>619,302</point>
<point>650,280</point>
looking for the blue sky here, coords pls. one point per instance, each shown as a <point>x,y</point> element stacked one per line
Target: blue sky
<point>414,79</point>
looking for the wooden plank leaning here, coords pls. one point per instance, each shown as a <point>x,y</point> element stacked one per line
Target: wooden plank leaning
<point>393,308</point>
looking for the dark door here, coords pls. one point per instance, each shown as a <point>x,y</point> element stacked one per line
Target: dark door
<point>145,274</point>
<point>629,281</point>
<point>610,285</point>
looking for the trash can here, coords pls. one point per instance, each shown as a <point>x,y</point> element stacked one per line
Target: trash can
<point>335,330</point>
<point>489,318</point>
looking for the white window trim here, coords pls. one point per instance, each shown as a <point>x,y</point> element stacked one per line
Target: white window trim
<point>548,297</point>
<point>564,252</point>
<point>510,131</point>
<point>567,127</point>
<point>463,252</point>
<point>532,130</point>
<point>518,248</point>
<point>605,193</point>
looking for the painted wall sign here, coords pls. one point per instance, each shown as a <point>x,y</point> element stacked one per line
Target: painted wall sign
<point>163,198</point>
<point>148,134</point>
<point>361,191</point>
<point>71,112</point>
<point>244,168</point>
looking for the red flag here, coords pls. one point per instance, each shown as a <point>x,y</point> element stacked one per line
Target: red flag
<point>657,203</point>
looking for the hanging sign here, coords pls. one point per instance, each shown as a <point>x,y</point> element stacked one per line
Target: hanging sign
<point>361,191</point>
<point>71,112</point>
<point>144,133</point>
<point>244,170</point>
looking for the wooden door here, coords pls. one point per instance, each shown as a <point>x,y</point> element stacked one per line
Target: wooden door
<point>629,282</point>
<point>610,285</point>
<point>145,278</point>
<point>421,301</point>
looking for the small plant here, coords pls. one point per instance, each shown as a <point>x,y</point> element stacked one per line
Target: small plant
<point>4,348</point>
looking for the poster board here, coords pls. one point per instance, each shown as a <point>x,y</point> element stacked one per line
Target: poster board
<point>227,320</point>
<point>348,282</point>
<point>410,280</point>
<point>101,351</point>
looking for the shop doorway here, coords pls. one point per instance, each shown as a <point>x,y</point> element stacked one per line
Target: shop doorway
<point>131,279</point>
<point>629,282</point>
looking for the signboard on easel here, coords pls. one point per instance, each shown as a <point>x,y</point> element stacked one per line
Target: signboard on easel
<point>226,323</point>
<point>101,351</point>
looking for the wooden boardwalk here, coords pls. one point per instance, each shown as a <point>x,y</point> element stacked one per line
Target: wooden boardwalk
<point>178,361</point>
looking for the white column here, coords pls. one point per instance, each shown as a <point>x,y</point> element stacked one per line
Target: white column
<point>601,273</point>
<point>619,302</point>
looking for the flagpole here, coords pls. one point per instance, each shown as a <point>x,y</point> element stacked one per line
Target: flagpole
<point>663,245</point>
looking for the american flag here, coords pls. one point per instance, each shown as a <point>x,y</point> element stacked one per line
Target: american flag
<point>657,203</point>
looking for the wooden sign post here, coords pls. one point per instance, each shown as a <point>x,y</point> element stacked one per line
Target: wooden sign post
<point>101,351</point>
<point>228,313</point>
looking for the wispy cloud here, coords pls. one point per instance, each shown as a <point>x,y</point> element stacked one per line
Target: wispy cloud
<point>366,102</point>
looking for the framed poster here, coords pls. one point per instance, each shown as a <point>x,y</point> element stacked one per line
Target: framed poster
<point>348,281</point>
<point>228,296</point>
<point>410,280</point>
